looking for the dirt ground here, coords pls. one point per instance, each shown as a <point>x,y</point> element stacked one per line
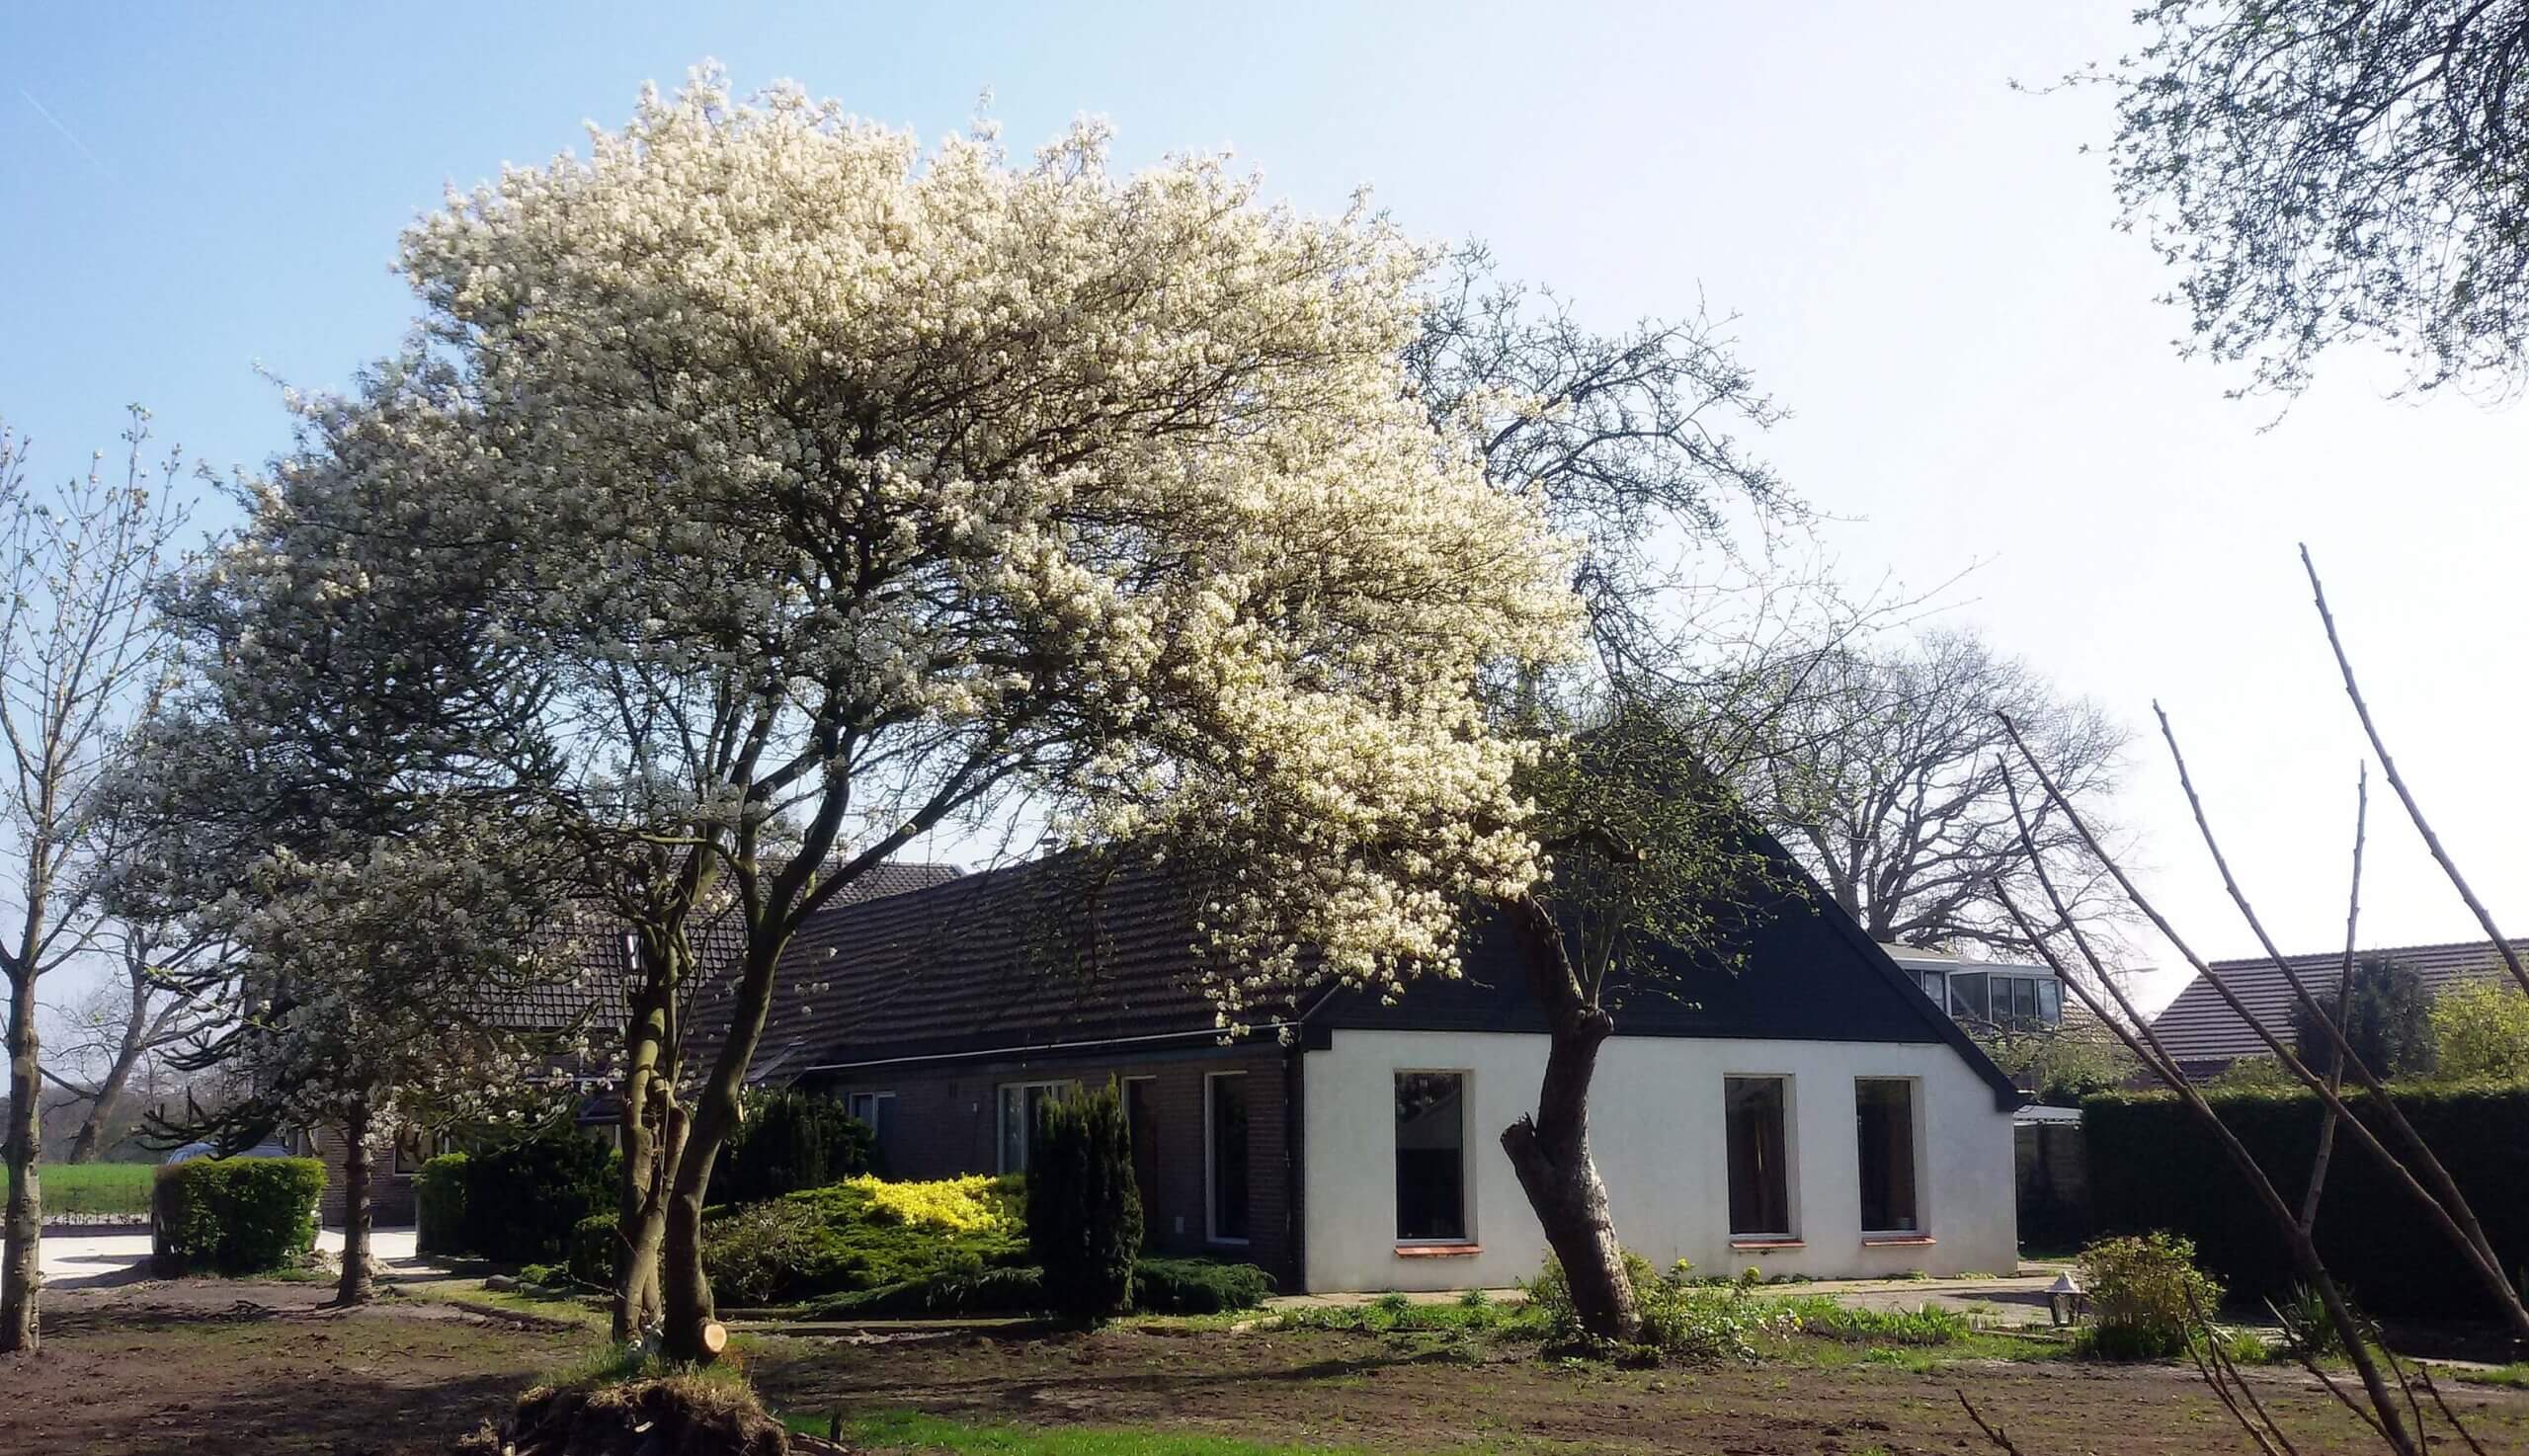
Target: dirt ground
<point>1412,1393</point>
<point>211,1368</point>
<point>207,1368</point>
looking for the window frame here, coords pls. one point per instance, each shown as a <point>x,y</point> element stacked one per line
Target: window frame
<point>1060,1086</point>
<point>878,1119</point>
<point>1918,1149</point>
<point>1466,1164</point>
<point>1790,1084</point>
<point>1212,1187</point>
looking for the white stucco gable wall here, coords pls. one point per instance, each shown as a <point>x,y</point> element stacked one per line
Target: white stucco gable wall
<point>1658,1134</point>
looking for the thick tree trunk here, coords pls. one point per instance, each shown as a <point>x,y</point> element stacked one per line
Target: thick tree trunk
<point>688,1328</point>
<point>359,1284</point>
<point>650,1152</point>
<point>101,1109</point>
<point>1549,1151</point>
<point>20,1270</point>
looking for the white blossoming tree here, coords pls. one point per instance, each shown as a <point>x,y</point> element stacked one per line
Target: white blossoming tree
<point>337,795</point>
<point>896,487</point>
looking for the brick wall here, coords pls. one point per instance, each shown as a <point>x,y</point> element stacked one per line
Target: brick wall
<point>391,1193</point>
<point>943,1121</point>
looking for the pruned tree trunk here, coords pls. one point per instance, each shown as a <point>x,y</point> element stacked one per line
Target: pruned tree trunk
<point>1549,1150</point>
<point>21,1271</point>
<point>359,1283</point>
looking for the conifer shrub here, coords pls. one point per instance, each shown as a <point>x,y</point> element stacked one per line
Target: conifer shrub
<point>789,1141</point>
<point>1084,1214</point>
<point>439,1205</point>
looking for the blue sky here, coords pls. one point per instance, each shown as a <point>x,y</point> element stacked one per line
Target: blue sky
<point>1922,264</point>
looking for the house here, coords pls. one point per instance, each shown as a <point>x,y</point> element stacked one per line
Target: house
<point>1811,1111</point>
<point>2206,1036</point>
<point>1986,996</point>
<point>593,999</point>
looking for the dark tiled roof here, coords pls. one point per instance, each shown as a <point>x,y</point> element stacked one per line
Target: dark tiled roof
<point>1034,955</point>
<point>600,958</point>
<point>1036,958</point>
<point>2199,1027</point>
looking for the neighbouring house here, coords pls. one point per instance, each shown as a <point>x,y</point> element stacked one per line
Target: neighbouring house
<point>1809,1112</point>
<point>1986,996</point>
<point>2205,1036</point>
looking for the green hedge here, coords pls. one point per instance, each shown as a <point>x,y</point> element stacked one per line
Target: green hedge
<point>789,1141</point>
<point>1161,1286</point>
<point>2152,1167</point>
<point>523,1200</point>
<point>592,1243</point>
<point>234,1215</point>
<point>1197,1286</point>
<point>439,1205</point>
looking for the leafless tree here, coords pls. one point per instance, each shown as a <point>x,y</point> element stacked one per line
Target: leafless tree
<point>1885,779</point>
<point>80,651</point>
<point>120,1024</point>
<point>2388,1403</point>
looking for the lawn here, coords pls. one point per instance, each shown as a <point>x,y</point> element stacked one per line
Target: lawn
<point>93,1188</point>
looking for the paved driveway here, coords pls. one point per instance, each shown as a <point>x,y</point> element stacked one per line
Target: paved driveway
<point>74,1260</point>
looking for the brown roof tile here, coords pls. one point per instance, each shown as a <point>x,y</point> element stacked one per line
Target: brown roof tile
<point>2199,1027</point>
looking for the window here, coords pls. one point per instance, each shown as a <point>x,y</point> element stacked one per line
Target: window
<point>1021,1102</point>
<point>413,1148</point>
<point>1225,1155</point>
<point>2023,1003</point>
<point>1760,1157</point>
<point>1884,1114</point>
<point>872,1107</point>
<point>1935,985</point>
<point>1430,1156</point>
<point>1141,1125</point>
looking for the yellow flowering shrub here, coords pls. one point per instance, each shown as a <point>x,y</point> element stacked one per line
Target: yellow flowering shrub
<point>974,1205</point>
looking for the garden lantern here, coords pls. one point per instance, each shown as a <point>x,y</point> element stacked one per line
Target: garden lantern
<point>2064,1300</point>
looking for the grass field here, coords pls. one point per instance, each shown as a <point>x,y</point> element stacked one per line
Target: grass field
<point>93,1188</point>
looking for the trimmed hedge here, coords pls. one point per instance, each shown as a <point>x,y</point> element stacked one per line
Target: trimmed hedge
<point>234,1215</point>
<point>591,1257</point>
<point>2152,1167</point>
<point>523,1200</point>
<point>1161,1286</point>
<point>789,1141</point>
<point>1197,1286</point>
<point>439,1205</point>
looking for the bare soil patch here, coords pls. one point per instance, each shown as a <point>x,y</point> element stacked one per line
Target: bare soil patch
<point>1419,1394</point>
<point>210,1367</point>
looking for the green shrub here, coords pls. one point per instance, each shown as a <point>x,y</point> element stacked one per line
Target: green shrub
<point>1197,1286</point>
<point>234,1215</point>
<point>591,1257</point>
<point>1681,1318</point>
<point>523,1200</point>
<point>2146,1296</point>
<point>859,1235</point>
<point>789,1141</point>
<point>1008,1290</point>
<point>2481,1028</point>
<point>439,1205</point>
<point>1084,1217</point>
<point>2152,1167</point>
